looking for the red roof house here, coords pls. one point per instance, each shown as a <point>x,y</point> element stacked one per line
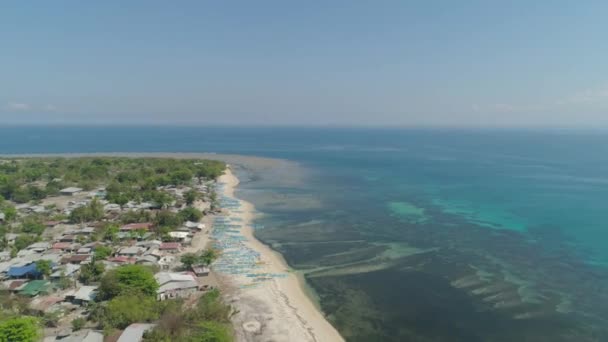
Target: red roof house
<point>170,246</point>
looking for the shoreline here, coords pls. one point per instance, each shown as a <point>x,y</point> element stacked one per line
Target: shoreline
<point>280,308</point>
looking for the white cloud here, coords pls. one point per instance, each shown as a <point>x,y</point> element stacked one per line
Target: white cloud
<point>25,107</point>
<point>50,108</point>
<point>18,106</point>
<point>587,96</point>
<point>595,98</point>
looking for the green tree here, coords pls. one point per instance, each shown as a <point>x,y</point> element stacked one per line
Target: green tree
<point>78,323</point>
<point>136,216</point>
<point>213,199</point>
<point>110,232</point>
<point>21,195</point>
<point>35,192</point>
<point>208,320</point>
<point>189,259</point>
<point>102,252</point>
<point>128,279</point>
<point>44,267</point>
<point>91,212</point>
<point>166,218</point>
<point>91,272</point>
<point>33,226</point>
<point>208,256</point>
<point>51,319</point>
<point>214,332</point>
<point>64,281</point>
<point>123,310</point>
<point>190,196</point>
<point>10,213</point>
<point>52,188</point>
<point>121,200</point>
<point>162,199</point>
<point>179,177</point>
<point>24,240</point>
<point>190,214</point>
<point>20,329</point>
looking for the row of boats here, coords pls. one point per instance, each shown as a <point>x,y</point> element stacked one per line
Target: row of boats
<point>236,258</point>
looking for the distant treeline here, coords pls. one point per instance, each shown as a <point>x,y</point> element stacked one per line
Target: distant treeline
<point>24,180</point>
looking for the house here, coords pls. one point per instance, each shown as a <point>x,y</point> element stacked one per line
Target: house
<point>67,238</point>
<point>37,209</point>
<point>76,259</point>
<point>170,247</point>
<point>4,256</point>
<point>71,191</point>
<point>84,250</point>
<point>15,285</point>
<point>175,285</point>
<point>22,207</point>
<point>83,296</point>
<point>51,224</point>
<point>147,260</point>
<point>25,252</point>
<point>130,251</point>
<point>64,246</point>
<point>85,231</point>
<point>44,304</point>
<point>135,332</point>
<point>180,236</point>
<point>67,270</point>
<point>77,336</point>
<point>111,207</point>
<point>35,287</point>
<point>27,271</point>
<point>194,225</point>
<point>136,226</point>
<point>156,252</point>
<point>10,238</point>
<point>146,205</point>
<point>200,270</point>
<point>39,247</point>
<point>149,244</point>
<point>121,260</point>
<point>166,261</point>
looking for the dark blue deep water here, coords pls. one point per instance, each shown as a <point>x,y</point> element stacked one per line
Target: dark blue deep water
<point>421,235</point>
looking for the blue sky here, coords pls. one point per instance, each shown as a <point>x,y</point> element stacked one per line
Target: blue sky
<point>410,63</point>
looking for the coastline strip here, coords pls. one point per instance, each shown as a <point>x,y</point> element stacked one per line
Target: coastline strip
<point>271,301</point>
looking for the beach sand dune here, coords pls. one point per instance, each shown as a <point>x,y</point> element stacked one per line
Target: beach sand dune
<point>276,309</point>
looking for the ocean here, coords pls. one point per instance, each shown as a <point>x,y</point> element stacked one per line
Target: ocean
<point>415,234</point>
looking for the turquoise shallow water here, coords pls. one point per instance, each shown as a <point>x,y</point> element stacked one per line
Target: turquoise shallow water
<point>439,235</point>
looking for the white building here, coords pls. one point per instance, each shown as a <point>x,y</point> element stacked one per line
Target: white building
<point>175,285</point>
<point>71,191</point>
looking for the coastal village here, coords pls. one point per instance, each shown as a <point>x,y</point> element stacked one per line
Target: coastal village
<point>141,249</point>
<point>57,249</point>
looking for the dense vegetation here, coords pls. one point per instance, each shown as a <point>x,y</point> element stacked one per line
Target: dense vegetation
<point>126,179</point>
<point>128,280</point>
<point>205,258</point>
<point>207,321</point>
<point>131,291</point>
<point>126,294</point>
<point>23,328</point>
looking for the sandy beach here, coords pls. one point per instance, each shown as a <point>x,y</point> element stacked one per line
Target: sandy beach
<point>277,309</point>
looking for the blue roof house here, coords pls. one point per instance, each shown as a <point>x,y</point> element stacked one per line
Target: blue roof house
<point>27,271</point>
